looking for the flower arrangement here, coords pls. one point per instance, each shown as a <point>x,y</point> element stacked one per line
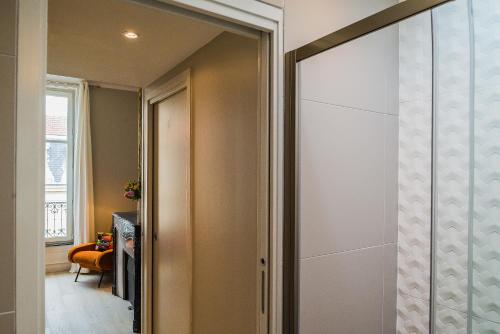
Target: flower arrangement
<point>133,190</point>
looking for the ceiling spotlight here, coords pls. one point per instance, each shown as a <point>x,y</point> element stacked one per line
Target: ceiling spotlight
<point>130,34</point>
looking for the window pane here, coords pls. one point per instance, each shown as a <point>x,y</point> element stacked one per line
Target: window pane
<point>56,125</point>
<point>56,190</point>
<point>57,173</point>
<point>56,162</point>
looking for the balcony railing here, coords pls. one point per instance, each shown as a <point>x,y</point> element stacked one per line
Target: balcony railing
<point>56,220</point>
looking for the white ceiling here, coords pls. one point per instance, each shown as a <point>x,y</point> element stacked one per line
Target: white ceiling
<point>85,41</point>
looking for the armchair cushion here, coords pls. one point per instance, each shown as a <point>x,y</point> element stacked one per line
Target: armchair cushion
<point>87,257</point>
<point>79,248</point>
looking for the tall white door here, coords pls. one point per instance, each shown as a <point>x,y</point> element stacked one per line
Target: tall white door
<point>172,253</point>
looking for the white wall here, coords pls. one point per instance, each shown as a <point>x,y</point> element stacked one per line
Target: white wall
<point>308,20</point>
<point>348,142</point>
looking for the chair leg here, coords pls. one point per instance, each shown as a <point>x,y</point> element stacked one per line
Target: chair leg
<point>100,280</point>
<point>78,273</point>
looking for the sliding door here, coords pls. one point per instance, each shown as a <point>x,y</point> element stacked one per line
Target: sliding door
<point>172,263</point>
<point>397,136</point>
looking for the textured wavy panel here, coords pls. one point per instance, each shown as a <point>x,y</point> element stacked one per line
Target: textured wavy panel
<point>482,326</point>
<point>452,51</point>
<point>453,164</point>
<point>413,315</point>
<point>415,121</point>
<point>450,321</point>
<point>486,40</point>
<point>452,202</point>
<point>414,198</point>
<point>486,225</point>
<point>452,64</point>
<point>415,58</point>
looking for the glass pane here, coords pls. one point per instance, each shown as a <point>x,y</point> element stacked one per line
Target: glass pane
<point>452,162</point>
<point>56,125</point>
<point>56,167</point>
<point>467,161</point>
<point>56,162</point>
<point>485,242</point>
<point>56,190</point>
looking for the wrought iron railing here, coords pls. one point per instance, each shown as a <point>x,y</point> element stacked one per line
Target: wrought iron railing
<point>55,220</point>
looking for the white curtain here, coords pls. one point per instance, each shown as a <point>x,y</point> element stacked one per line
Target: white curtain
<point>83,201</point>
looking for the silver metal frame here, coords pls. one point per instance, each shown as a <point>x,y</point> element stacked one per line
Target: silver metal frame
<point>434,163</point>
<point>377,21</point>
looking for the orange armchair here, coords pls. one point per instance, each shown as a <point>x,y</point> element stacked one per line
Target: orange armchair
<point>87,257</point>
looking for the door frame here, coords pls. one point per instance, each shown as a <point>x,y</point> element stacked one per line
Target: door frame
<point>242,16</point>
<point>151,97</point>
<point>172,86</point>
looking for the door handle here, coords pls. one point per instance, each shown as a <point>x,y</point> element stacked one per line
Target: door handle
<point>263,292</point>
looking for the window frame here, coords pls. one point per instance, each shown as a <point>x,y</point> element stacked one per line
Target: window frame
<point>69,92</point>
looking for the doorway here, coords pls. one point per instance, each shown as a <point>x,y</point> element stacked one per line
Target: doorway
<point>261,98</point>
<point>228,178</point>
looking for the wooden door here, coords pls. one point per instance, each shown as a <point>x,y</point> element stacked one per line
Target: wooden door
<point>172,250</point>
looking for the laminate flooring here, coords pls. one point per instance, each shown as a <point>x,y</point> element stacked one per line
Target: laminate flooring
<point>82,308</point>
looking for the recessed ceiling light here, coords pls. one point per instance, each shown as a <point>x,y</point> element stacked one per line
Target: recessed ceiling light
<point>130,34</point>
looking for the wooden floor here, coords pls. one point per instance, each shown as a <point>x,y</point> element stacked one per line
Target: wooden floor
<point>82,308</point>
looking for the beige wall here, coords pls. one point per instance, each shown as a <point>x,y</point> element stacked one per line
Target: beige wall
<point>224,123</point>
<point>8,26</point>
<point>113,117</point>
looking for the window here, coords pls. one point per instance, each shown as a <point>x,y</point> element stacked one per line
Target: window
<point>59,109</point>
